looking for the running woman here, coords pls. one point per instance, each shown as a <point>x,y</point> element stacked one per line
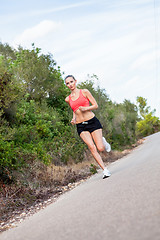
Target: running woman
<point>88,126</point>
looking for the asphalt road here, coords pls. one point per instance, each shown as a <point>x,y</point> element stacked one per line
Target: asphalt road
<point>125,206</point>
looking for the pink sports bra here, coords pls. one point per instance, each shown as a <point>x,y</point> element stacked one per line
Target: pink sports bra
<point>80,101</point>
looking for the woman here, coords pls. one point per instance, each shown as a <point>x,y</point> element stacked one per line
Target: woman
<point>88,126</point>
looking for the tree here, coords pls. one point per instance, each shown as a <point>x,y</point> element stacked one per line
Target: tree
<point>149,123</point>
<point>7,51</point>
<point>8,87</point>
<point>142,105</point>
<point>37,72</point>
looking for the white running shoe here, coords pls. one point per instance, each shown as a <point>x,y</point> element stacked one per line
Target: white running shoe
<point>107,145</point>
<point>106,173</point>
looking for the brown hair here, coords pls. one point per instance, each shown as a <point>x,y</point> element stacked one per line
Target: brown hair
<point>70,76</point>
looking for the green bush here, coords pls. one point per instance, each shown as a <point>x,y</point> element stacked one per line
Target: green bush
<point>7,154</point>
<point>149,125</point>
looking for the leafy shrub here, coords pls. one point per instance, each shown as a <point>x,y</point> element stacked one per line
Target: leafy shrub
<point>7,154</point>
<point>149,125</point>
<point>93,169</point>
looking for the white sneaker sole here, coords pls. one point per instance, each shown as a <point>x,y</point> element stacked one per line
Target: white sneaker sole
<point>106,174</point>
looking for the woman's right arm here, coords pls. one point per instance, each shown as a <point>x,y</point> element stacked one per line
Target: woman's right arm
<point>67,99</point>
<point>73,121</point>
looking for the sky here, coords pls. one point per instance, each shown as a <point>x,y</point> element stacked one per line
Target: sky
<point>118,41</point>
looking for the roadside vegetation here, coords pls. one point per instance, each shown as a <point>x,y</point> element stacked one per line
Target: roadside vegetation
<point>39,148</point>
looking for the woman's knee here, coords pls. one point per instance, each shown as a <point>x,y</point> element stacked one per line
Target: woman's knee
<point>92,147</point>
<point>101,148</point>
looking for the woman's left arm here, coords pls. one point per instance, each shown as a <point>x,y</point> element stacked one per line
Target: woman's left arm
<point>92,100</point>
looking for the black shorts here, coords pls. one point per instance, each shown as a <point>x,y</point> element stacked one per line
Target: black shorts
<point>90,125</point>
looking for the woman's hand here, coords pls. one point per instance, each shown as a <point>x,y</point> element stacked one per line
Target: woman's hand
<point>83,109</point>
<point>73,121</point>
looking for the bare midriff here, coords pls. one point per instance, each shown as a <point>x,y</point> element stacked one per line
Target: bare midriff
<point>83,116</point>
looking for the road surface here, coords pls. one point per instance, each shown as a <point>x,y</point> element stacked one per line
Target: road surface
<point>125,206</point>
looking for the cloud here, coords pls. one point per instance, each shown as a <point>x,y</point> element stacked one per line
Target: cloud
<point>120,41</point>
<point>58,9</point>
<point>117,43</point>
<point>145,61</point>
<point>38,31</point>
<point>16,16</point>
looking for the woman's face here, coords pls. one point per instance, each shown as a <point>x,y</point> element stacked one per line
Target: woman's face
<point>71,83</point>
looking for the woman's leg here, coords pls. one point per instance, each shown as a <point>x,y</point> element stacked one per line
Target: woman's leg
<point>87,138</point>
<point>97,137</point>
